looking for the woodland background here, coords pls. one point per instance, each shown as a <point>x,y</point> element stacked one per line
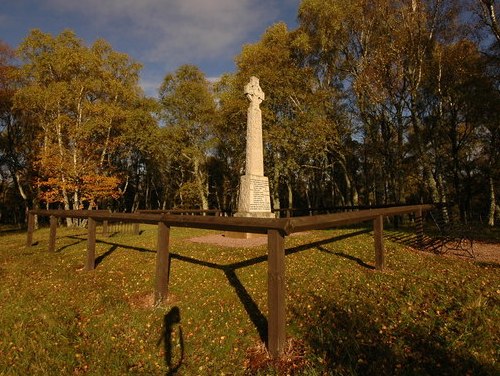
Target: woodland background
<point>367,103</point>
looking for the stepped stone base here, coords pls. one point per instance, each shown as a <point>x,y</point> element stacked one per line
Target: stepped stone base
<point>248,235</point>
<point>242,235</point>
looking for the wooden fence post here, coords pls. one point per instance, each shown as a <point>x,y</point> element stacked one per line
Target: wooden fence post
<point>31,229</point>
<point>419,224</point>
<point>162,263</point>
<point>105,228</point>
<point>276,321</point>
<point>378,232</point>
<point>90,264</point>
<point>136,229</point>
<point>52,237</point>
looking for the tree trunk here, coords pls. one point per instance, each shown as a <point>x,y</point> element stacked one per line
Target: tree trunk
<point>290,195</point>
<point>69,221</point>
<point>201,183</point>
<point>431,183</point>
<point>492,209</point>
<point>275,189</point>
<point>308,198</point>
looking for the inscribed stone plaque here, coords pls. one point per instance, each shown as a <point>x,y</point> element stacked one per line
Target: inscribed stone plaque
<point>254,194</point>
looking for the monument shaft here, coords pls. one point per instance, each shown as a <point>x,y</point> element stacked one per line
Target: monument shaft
<point>254,152</point>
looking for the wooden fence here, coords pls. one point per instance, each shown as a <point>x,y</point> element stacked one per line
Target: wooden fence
<point>275,228</point>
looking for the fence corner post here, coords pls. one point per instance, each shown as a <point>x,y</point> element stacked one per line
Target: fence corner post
<point>31,229</point>
<point>90,264</point>
<point>53,230</point>
<point>276,331</point>
<point>162,263</point>
<point>136,229</point>
<point>378,233</point>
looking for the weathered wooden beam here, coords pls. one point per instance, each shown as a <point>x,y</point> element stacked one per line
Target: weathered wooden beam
<point>91,227</point>
<point>31,229</point>
<point>52,236</point>
<point>241,224</point>
<point>276,293</point>
<point>162,263</point>
<point>378,234</point>
<point>319,222</point>
<point>105,229</point>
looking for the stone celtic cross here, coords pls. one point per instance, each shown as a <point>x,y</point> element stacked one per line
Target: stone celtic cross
<point>254,199</point>
<point>254,153</point>
<point>254,92</point>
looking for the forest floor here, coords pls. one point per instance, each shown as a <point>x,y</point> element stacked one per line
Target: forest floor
<point>425,314</point>
<point>487,252</point>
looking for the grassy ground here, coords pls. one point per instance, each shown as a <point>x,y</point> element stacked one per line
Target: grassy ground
<point>424,315</point>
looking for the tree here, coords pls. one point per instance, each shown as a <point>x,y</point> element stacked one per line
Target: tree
<point>80,100</point>
<point>187,108</point>
<point>489,17</point>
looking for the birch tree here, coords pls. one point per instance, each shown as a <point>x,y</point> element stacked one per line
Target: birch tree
<point>187,109</point>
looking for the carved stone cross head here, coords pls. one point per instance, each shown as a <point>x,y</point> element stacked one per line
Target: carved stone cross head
<point>253,91</point>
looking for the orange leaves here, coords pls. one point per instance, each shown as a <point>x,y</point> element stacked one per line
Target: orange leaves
<point>100,186</point>
<point>51,190</point>
<point>91,188</point>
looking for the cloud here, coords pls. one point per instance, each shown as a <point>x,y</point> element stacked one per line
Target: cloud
<point>177,31</point>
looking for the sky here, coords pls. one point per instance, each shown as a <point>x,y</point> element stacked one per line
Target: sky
<point>160,34</point>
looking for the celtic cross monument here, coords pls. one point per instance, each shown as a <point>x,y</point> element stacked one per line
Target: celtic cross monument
<point>254,199</point>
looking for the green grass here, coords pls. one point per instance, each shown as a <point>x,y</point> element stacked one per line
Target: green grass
<point>424,315</point>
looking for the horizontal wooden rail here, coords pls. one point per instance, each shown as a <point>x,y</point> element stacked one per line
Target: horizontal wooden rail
<point>325,221</point>
<point>289,212</point>
<point>238,224</point>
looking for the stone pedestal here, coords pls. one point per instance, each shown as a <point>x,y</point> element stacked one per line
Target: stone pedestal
<point>254,196</point>
<point>254,202</point>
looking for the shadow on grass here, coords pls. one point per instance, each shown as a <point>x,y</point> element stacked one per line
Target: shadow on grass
<point>6,230</point>
<point>172,320</point>
<point>487,264</point>
<point>356,342</point>
<point>252,309</point>
<point>409,238</point>
<point>320,243</point>
<point>60,249</point>
<point>100,258</point>
<point>256,316</point>
<point>348,257</point>
<point>117,245</point>
<point>254,313</point>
